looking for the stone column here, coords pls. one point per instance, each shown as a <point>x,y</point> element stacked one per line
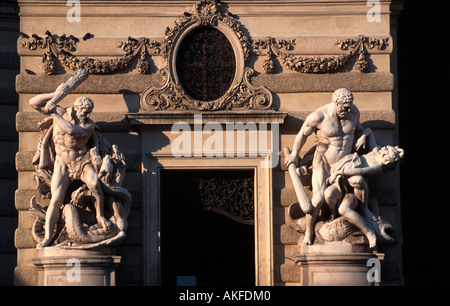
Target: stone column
<point>71,267</point>
<point>335,264</point>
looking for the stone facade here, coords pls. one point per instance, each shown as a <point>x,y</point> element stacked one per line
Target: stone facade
<point>281,35</point>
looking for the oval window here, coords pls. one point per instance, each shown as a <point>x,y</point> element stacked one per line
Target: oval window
<point>205,64</point>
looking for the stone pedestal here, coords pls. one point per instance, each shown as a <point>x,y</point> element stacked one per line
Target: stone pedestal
<point>335,264</point>
<point>68,267</point>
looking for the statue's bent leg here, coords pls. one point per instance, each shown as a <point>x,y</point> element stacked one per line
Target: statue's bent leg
<point>332,197</point>
<point>347,210</point>
<point>361,189</point>
<point>89,177</point>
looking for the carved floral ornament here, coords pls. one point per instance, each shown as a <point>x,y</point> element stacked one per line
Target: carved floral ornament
<point>203,14</point>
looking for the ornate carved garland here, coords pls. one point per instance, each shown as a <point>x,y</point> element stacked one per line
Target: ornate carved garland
<point>318,64</point>
<point>59,47</point>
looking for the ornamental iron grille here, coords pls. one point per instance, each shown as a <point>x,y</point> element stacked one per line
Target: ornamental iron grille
<point>205,64</point>
<point>229,193</point>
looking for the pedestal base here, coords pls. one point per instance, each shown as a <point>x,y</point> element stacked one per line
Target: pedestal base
<point>335,264</point>
<point>66,267</point>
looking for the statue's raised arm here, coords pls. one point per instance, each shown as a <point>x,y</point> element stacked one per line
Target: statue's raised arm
<point>41,101</point>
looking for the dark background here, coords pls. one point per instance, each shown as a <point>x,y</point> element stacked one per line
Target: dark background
<point>423,86</point>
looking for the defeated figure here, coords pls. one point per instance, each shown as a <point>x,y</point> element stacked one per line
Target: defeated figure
<point>355,170</point>
<point>347,195</point>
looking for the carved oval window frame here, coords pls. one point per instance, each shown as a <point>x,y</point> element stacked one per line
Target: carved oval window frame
<point>205,64</point>
<point>241,94</point>
<point>239,55</point>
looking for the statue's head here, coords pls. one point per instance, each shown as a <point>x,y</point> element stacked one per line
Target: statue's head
<point>343,99</point>
<point>83,107</point>
<point>389,156</point>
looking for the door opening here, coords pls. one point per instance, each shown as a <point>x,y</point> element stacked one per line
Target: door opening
<point>207,227</point>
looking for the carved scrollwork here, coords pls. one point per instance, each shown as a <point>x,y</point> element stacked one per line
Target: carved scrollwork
<point>246,95</point>
<point>172,96</point>
<point>163,97</point>
<point>204,15</point>
<point>59,48</point>
<point>318,64</point>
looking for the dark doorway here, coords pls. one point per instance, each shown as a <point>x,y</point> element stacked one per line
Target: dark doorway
<point>207,231</point>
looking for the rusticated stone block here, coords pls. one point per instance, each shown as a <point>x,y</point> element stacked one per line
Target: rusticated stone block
<point>304,82</point>
<point>23,161</point>
<point>24,158</point>
<point>98,84</point>
<point>25,276</point>
<point>288,235</point>
<point>286,196</point>
<point>289,272</point>
<point>23,239</point>
<point>106,121</point>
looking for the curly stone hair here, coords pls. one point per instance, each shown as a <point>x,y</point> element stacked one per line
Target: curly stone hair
<point>83,102</point>
<point>389,155</point>
<point>342,94</point>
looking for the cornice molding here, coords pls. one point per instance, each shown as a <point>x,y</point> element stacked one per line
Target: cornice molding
<point>276,83</point>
